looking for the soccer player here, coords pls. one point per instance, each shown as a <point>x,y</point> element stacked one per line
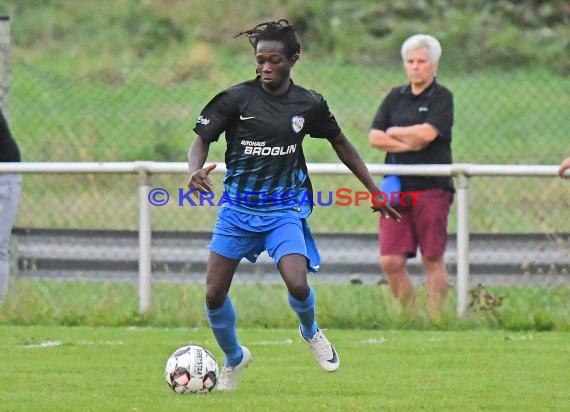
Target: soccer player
<point>267,189</point>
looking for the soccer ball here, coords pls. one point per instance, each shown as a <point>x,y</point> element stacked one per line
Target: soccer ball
<point>191,369</point>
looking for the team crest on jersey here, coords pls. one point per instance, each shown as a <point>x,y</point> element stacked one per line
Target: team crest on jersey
<point>297,123</point>
<point>202,120</point>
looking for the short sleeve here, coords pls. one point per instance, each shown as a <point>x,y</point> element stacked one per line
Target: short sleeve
<point>323,123</point>
<point>214,118</point>
<point>440,114</point>
<point>381,120</point>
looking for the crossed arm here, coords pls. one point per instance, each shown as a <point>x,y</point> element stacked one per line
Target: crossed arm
<point>397,139</point>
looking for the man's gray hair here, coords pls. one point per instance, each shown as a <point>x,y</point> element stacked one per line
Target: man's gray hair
<point>418,41</point>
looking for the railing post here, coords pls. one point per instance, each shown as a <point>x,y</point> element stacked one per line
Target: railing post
<point>462,242</point>
<point>145,238</point>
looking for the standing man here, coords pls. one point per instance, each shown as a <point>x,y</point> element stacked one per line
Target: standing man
<point>413,126</point>
<point>10,187</point>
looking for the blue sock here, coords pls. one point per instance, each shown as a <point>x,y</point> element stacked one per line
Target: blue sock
<point>223,323</point>
<point>305,310</point>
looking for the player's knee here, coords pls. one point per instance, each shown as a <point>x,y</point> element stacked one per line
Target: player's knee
<point>299,289</point>
<point>214,298</point>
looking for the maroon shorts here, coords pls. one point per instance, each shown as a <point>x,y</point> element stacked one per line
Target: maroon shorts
<point>423,225</point>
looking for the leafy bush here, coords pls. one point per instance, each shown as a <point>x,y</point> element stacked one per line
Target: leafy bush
<point>474,33</point>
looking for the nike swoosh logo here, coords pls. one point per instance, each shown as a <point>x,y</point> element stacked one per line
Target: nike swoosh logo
<point>334,358</point>
<point>242,117</point>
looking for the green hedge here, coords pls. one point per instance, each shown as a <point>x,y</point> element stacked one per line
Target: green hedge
<point>475,33</point>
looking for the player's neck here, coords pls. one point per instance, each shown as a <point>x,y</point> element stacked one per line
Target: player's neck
<point>282,89</point>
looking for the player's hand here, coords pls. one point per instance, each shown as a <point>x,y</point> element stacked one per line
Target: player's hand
<point>563,167</point>
<point>200,180</point>
<point>380,204</point>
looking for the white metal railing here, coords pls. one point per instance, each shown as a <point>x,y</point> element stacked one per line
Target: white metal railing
<point>460,171</point>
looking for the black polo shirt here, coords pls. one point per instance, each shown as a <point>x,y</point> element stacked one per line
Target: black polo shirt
<point>8,148</point>
<point>434,106</point>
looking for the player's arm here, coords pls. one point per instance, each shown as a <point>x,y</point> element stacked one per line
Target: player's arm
<point>350,157</point>
<point>197,155</point>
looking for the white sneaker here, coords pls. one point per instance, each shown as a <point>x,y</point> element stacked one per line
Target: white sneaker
<point>230,374</point>
<point>323,351</point>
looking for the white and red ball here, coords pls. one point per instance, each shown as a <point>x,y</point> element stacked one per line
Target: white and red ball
<point>191,369</point>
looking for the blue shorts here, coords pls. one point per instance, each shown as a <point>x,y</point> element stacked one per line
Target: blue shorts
<point>238,235</point>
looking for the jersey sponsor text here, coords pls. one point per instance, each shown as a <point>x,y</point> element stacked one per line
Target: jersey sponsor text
<point>270,151</point>
<point>258,148</point>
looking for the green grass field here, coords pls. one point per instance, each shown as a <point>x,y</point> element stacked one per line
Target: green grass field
<point>259,305</point>
<point>70,346</point>
<point>121,369</point>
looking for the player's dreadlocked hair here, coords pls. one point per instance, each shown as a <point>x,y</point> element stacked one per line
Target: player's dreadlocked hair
<point>279,30</point>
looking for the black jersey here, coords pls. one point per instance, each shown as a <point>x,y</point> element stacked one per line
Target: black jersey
<point>264,135</point>
<point>9,151</point>
<point>434,106</point>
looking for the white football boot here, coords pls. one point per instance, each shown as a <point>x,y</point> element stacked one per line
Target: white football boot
<point>230,374</point>
<point>323,351</point>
